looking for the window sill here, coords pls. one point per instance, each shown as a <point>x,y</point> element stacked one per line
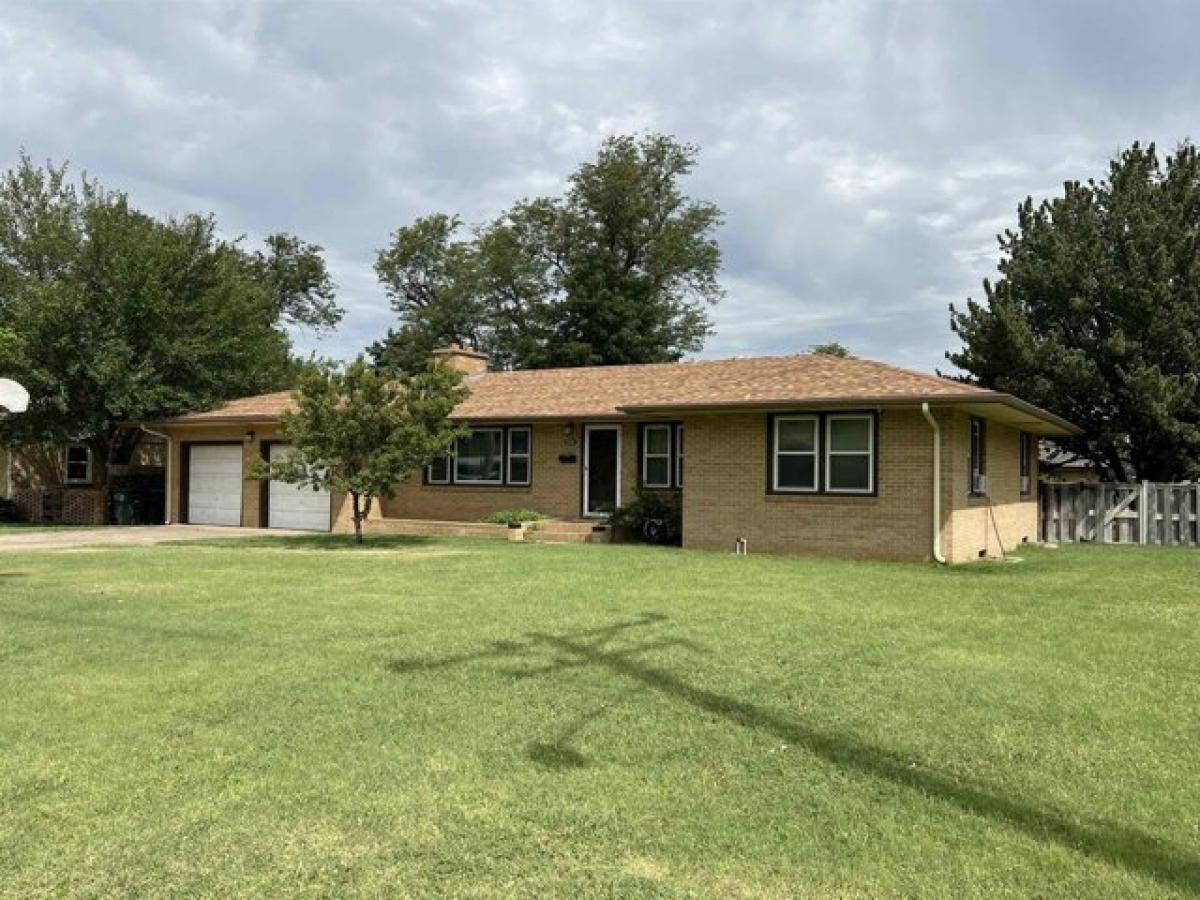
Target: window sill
<point>820,495</point>
<point>501,488</point>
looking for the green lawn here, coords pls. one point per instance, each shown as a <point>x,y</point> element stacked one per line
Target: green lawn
<point>455,717</point>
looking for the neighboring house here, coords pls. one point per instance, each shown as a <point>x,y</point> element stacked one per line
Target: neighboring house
<point>65,484</point>
<point>1063,465</point>
<point>808,454</point>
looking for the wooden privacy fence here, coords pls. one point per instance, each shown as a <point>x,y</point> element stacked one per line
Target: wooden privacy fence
<point>1144,512</point>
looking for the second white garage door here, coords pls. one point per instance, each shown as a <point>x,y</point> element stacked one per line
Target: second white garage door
<point>215,484</point>
<point>290,506</point>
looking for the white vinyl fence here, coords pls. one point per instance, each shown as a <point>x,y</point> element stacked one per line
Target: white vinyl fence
<point>1143,512</point>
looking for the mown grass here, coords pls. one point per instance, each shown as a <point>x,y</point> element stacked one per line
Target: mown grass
<point>471,718</point>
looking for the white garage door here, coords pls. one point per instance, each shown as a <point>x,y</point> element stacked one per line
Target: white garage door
<point>215,484</point>
<point>292,506</point>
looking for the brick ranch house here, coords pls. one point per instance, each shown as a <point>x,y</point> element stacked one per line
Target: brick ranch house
<point>809,454</point>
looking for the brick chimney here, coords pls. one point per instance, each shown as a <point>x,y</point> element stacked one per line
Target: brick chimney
<point>469,362</point>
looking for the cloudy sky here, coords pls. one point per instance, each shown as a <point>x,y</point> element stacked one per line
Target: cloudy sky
<point>865,154</point>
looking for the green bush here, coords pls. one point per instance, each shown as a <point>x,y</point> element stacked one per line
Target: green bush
<point>509,516</point>
<point>654,517</point>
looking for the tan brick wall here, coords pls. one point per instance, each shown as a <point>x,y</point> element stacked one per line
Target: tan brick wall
<point>725,494</point>
<point>555,487</point>
<point>976,520</point>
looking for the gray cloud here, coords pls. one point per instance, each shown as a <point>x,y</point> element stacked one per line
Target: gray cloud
<point>865,153</point>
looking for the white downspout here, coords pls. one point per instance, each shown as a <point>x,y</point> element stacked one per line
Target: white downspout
<point>937,484</point>
<point>8,467</point>
<point>167,487</point>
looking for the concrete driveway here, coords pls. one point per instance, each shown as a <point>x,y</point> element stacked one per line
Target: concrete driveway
<point>130,536</point>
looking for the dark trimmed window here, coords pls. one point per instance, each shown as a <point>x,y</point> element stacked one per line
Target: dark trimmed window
<point>678,456</point>
<point>850,453</point>
<point>661,464</point>
<point>822,453</point>
<point>795,453</point>
<point>978,459</point>
<point>493,455</point>
<point>1026,463</point>
<point>79,464</point>
<point>438,471</point>
<point>520,445</point>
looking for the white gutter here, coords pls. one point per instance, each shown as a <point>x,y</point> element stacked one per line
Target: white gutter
<point>167,487</point>
<point>937,484</point>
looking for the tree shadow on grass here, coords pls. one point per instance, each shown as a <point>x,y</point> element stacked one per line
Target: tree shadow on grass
<point>330,542</point>
<point>1119,845</point>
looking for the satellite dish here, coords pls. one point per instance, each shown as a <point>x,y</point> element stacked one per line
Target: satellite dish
<point>13,397</point>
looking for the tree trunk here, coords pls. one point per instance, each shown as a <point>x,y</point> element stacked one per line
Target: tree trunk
<point>357,516</point>
<point>362,511</point>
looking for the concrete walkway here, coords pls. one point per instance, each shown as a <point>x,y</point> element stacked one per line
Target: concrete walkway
<point>129,536</point>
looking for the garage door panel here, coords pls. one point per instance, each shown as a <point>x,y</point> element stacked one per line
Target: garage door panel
<point>295,506</point>
<point>215,484</point>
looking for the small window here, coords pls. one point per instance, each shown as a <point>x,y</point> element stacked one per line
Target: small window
<point>678,456</point>
<point>438,471</point>
<point>519,443</point>
<point>795,457</point>
<point>849,454</point>
<point>479,457</point>
<point>978,461</point>
<point>656,456</point>
<point>79,464</point>
<point>1026,462</point>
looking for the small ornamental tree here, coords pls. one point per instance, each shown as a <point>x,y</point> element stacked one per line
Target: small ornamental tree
<point>363,432</point>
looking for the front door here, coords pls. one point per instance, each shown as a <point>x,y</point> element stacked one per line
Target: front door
<point>601,469</point>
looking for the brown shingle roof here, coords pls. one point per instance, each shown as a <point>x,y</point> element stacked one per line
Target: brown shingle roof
<point>260,408</point>
<point>767,381</point>
<point>613,391</point>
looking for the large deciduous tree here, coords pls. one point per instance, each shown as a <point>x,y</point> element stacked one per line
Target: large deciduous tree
<point>1096,314</point>
<point>109,315</point>
<point>429,275</point>
<point>620,269</point>
<point>362,432</point>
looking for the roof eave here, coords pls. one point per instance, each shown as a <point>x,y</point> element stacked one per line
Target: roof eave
<point>247,419</point>
<point>801,402</point>
<point>1058,425</point>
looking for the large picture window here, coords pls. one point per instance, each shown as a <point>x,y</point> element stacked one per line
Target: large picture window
<point>849,453</point>
<point>492,455</point>
<point>479,457</point>
<point>822,453</point>
<point>795,463</point>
